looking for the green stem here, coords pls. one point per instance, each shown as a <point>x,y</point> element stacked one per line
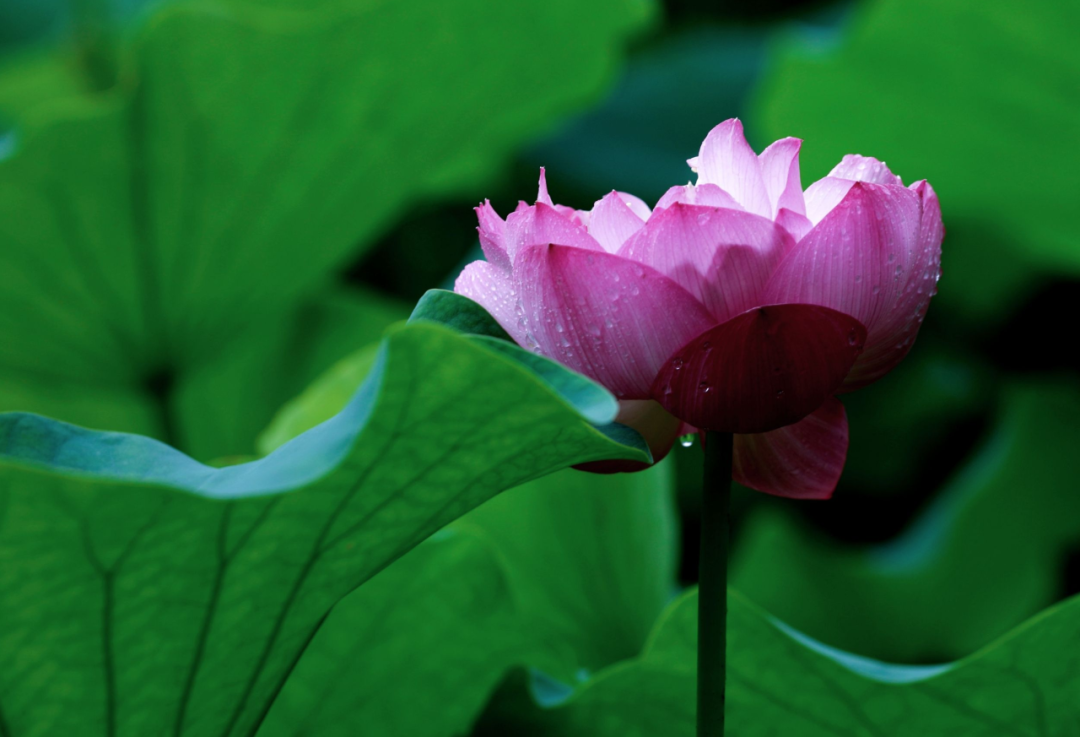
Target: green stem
<point>712,585</point>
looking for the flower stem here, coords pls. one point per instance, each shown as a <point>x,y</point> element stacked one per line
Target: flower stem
<point>712,585</point>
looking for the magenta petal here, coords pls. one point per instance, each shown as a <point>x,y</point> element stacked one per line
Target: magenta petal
<point>766,368</point>
<point>727,161</point>
<point>608,317</point>
<point>612,221</point>
<point>801,461</point>
<point>898,324</point>
<point>492,230</point>
<point>866,259</point>
<point>723,257</point>
<point>542,225</point>
<point>708,195</point>
<point>780,172</point>
<point>491,288</point>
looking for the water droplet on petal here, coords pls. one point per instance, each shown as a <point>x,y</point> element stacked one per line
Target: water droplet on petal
<point>876,289</point>
<point>687,440</point>
<point>704,386</point>
<point>677,363</point>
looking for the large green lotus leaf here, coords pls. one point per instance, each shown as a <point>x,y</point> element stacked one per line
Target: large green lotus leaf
<point>984,556</point>
<point>577,568</point>
<point>416,651</point>
<point>591,557</point>
<point>936,88</point>
<point>142,592</point>
<point>592,562</point>
<point>781,682</point>
<point>251,150</point>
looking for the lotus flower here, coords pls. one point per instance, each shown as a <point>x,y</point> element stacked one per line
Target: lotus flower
<point>738,304</point>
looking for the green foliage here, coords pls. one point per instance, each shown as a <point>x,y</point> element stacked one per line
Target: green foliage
<point>979,560</point>
<point>979,100</point>
<point>416,651</point>
<point>249,152</point>
<point>150,592</point>
<point>782,682</point>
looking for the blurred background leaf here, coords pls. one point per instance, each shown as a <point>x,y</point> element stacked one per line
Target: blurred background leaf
<point>249,152</point>
<point>783,682</point>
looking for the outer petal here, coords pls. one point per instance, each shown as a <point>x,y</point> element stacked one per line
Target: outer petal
<point>708,195</point>
<point>608,317</point>
<point>823,195</point>
<point>723,257</point>
<point>492,230</point>
<point>802,461</point>
<point>865,259</point>
<point>896,332</point>
<point>612,221</point>
<point>780,172</point>
<point>767,368</point>
<point>541,225</point>
<point>653,423</point>
<point>727,160</point>
<point>492,288</point>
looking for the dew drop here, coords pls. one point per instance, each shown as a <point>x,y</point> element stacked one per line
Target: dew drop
<point>677,363</point>
<point>858,278</point>
<point>687,440</point>
<point>704,386</point>
<point>635,291</point>
<point>876,289</point>
<point>706,346</point>
<point>852,338</point>
<point>667,389</point>
<point>892,257</point>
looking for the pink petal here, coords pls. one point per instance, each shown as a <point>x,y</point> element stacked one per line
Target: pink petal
<point>542,225</point>
<point>577,217</point>
<point>658,428</point>
<point>491,288</point>
<point>612,222</point>
<point>864,169</point>
<point>801,461</point>
<point>727,161</point>
<point>780,172</point>
<point>866,259</point>
<point>608,317</point>
<point>492,230</point>
<point>636,205</point>
<point>895,332</point>
<point>766,368</point>
<point>708,195</point>
<point>822,196</point>
<point>542,190</point>
<point>723,257</point>
<point>795,224</point>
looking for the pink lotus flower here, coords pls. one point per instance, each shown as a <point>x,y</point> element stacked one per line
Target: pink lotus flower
<point>740,304</point>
